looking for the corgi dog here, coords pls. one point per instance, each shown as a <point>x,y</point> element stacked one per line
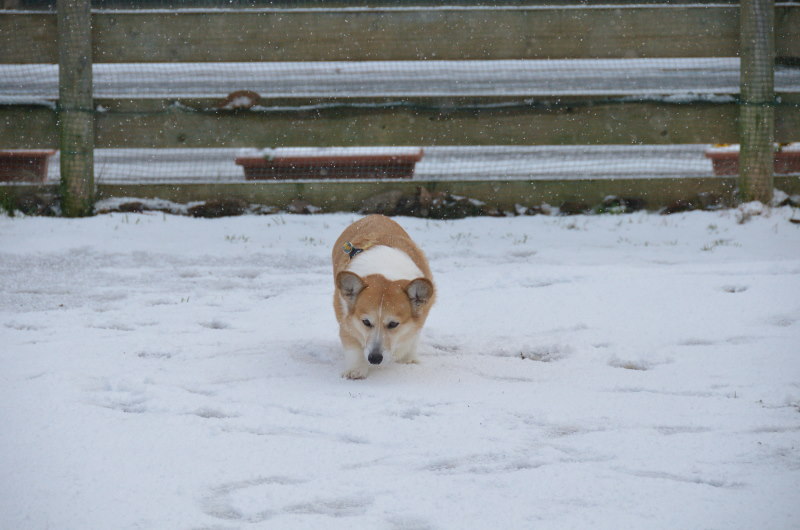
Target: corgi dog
<point>383,292</point>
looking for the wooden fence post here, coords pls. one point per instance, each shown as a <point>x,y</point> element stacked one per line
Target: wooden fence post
<point>757,105</point>
<point>75,107</point>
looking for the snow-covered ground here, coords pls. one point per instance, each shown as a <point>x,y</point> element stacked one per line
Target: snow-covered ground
<point>635,371</point>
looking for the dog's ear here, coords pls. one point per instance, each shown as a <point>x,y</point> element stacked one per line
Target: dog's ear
<point>419,292</point>
<point>350,285</point>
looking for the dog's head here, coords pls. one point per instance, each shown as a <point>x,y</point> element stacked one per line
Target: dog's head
<point>384,316</point>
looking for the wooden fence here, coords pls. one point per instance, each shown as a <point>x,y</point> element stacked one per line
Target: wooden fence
<point>361,34</point>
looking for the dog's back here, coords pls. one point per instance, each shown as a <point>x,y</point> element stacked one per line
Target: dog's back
<point>376,230</point>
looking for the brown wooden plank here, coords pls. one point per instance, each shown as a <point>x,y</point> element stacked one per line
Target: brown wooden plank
<point>28,127</point>
<point>787,118</point>
<point>541,33</point>
<point>157,123</point>
<point>349,196</point>
<point>153,123</point>
<point>787,32</point>
<point>649,123</point>
<point>28,38</point>
<point>386,34</point>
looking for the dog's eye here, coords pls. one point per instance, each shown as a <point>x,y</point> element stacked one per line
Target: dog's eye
<point>367,323</point>
<point>392,324</point>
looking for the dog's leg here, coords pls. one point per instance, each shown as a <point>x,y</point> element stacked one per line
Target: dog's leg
<point>408,355</point>
<point>356,367</point>
<point>409,359</point>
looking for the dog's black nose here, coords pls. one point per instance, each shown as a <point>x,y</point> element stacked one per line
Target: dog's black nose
<point>375,358</point>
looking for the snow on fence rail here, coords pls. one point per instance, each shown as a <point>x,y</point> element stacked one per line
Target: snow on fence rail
<point>633,75</point>
<point>693,79</point>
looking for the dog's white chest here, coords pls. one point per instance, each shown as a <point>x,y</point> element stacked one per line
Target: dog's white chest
<point>389,262</point>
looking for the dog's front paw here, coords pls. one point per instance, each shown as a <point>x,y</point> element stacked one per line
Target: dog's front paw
<point>411,359</point>
<point>359,372</point>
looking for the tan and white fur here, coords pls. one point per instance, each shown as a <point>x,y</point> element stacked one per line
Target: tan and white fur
<point>382,294</point>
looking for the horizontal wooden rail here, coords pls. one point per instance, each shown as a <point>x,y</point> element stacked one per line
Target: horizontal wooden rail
<point>574,121</point>
<point>152,123</point>
<point>398,34</point>
<point>350,196</point>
